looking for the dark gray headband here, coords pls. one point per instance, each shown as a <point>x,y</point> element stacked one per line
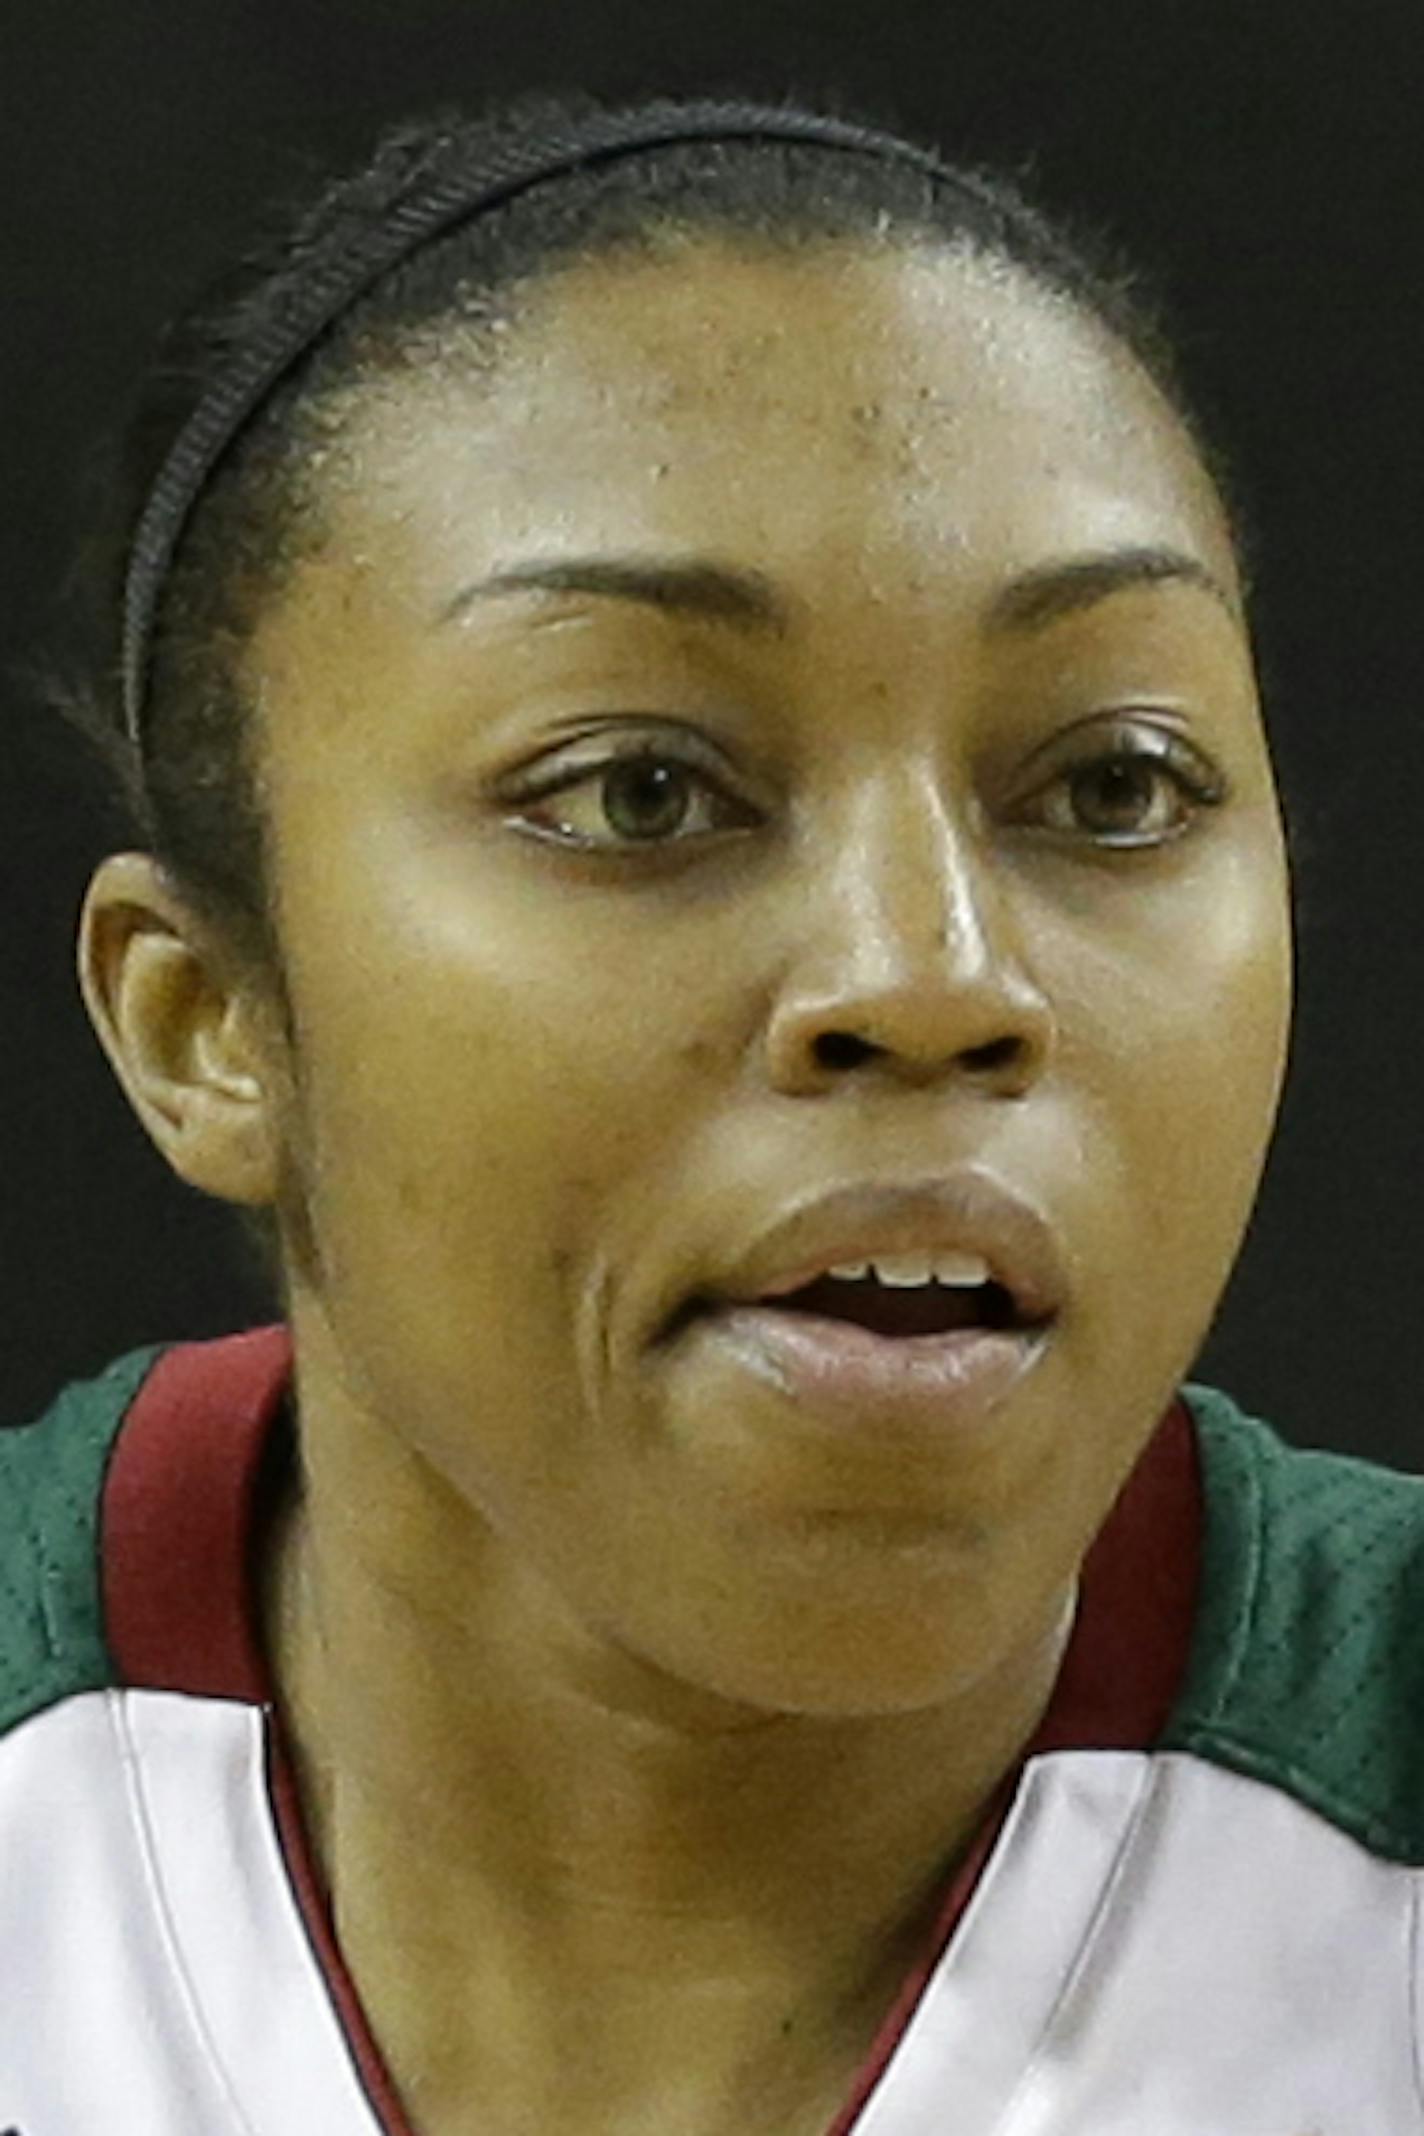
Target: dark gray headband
<point>448,195</point>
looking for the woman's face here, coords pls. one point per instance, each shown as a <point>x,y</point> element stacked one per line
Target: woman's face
<point>560,1053</point>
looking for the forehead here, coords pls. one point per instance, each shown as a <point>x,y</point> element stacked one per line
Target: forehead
<point>874,409</point>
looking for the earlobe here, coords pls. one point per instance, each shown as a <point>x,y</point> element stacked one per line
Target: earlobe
<point>180,1035</point>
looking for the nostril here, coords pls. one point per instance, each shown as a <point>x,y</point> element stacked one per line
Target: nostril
<point>999,1054</point>
<point>841,1049</point>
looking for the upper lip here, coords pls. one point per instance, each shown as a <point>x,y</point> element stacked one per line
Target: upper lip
<point>970,1209</point>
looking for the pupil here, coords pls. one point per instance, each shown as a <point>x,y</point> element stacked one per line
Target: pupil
<point>1124,787</point>
<point>652,782</point>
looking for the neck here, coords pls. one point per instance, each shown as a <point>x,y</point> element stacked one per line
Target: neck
<point>515,1819</point>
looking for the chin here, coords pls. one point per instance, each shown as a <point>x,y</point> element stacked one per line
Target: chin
<point>837,1654</point>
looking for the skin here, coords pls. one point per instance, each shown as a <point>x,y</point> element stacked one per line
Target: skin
<point>630,1704</point>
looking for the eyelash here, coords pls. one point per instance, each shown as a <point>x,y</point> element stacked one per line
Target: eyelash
<point>1167,757</point>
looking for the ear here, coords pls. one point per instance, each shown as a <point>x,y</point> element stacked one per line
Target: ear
<point>187,1043</point>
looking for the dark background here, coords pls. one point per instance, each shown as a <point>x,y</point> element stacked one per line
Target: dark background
<point>1263,160</point>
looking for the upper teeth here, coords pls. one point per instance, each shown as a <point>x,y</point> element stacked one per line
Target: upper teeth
<point>905,1269</point>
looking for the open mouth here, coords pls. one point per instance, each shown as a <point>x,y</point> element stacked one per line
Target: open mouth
<point>918,1309</point>
<point>883,1309</point>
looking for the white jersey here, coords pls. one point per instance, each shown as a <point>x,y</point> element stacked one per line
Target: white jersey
<point>1192,1908</point>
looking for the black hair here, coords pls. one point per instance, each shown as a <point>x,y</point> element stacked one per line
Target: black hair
<point>193,796</point>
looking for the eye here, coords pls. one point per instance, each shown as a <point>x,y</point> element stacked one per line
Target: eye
<point>1141,791</point>
<point>647,795</point>
<point>1144,790</point>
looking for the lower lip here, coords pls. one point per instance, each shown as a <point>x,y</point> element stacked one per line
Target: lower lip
<point>856,1378</point>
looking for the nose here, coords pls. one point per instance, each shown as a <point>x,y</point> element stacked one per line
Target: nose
<point>906,960</point>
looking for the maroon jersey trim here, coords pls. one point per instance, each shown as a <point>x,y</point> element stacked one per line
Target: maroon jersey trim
<point>1117,1683</point>
<point>315,1907</point>
<point>177,1517</point>
<point>180,1501</point>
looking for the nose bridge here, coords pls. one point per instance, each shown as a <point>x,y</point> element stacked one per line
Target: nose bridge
<point>904,879</point>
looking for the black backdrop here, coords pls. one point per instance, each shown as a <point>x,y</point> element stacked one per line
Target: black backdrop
<point>1264,158</point>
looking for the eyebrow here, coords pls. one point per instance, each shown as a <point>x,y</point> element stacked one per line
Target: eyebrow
<point>1052,590</point>
<point>750,601</point>
<point>695,586</point>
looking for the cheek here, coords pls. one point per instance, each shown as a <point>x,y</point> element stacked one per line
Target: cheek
<point>488,1091</point>
<point>1184,1050</point>
<point>1221,1024</point>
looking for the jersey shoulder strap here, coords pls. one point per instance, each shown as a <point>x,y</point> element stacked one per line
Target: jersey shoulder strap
<point>51,1485</point>
<point>1307,1661</point>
